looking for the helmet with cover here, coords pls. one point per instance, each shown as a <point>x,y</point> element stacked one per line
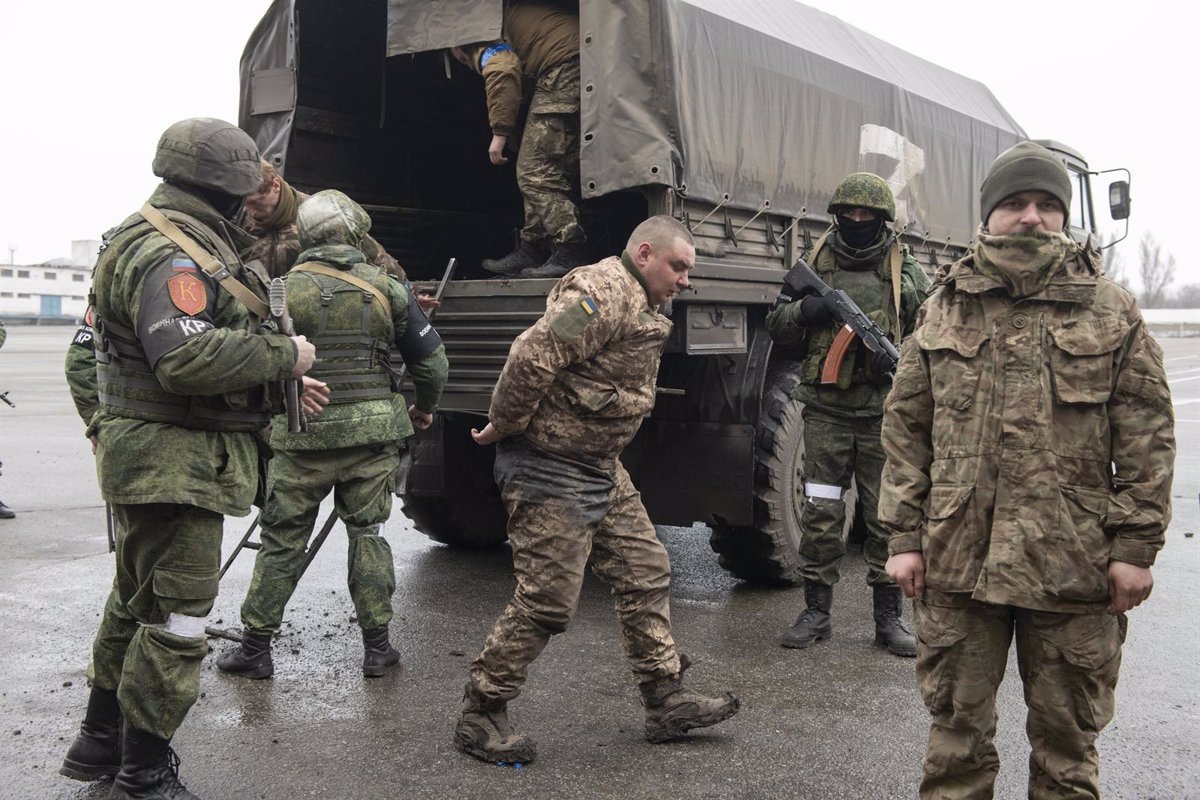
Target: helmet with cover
<point>211,154</point>
<point>864,190</point>
<point>330,217</point>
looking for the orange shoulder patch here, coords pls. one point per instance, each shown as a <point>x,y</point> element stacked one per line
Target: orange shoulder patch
<point>187,293</point>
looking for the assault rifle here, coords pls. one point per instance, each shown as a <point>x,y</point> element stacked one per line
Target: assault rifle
<point>802,280</point>
<point>292,386</point>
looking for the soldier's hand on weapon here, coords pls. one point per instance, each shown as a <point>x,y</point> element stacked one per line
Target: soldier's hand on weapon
<point>420,420</point>
<point>496,150</point>
<point>489,435</point>
<point>882,364</point>
<point>315,396</point>
<point>908,571</point>
<point>428,302</point>
<point>306,356</point>
<point>816,310</point>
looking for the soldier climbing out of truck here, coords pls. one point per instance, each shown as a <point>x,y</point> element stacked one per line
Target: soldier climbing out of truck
<point>542,43</point>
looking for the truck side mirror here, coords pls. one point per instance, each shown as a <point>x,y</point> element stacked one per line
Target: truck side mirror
<point>1118,199</point>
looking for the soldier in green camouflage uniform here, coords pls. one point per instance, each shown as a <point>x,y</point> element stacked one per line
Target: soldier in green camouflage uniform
<point>1030,448</point>
<point>180,392</point>
<point>572,395</point>
<point>269,215</point>
<point>354,313</point>
<point>863,257</point>
<point>541,45</point>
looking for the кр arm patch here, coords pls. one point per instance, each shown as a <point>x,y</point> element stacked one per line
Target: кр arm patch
<point>571,322</point>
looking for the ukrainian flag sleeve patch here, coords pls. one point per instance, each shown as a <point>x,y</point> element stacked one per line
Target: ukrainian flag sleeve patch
<point>577,316</point>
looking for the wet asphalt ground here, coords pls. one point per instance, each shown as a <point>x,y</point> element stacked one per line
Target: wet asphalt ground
<point>839,720</point>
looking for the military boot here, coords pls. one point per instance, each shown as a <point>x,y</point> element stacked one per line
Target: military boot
<point>483,731</point>
<point>252,659</point>
<point>562,260</point>
<point>527,256</point>
<point>672,710</point>
<point>379,657</point>
<point>814,623</point>
<point>6,512</point>
<point>96,751</point>
<point>891,631</point>
<point>149,769</point>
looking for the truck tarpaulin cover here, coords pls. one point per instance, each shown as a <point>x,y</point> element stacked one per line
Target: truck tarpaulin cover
<point>757,100</point>
<point>771,100</point>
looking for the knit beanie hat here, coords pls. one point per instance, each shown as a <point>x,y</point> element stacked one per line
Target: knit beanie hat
<point>1024,167</point>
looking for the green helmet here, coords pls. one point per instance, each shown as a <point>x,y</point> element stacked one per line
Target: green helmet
<point>330,217</point>
<point>209,153</point>
<point>864,190</point>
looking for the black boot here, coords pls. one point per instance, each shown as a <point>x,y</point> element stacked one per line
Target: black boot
<point>6,512</point>
<point>250,660</point>
<point>891,631</point>
<point>149,769</point>
<point>563,259</point>
<point>814,623</point>
<point>379,657</point>
<point>527,256</point>
<point>96,751</point>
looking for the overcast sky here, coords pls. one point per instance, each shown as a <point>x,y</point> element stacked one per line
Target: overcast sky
<point>88,87</point>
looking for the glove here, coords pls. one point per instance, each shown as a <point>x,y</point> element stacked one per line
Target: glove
<point>882,366</point>
<point>816,310</point>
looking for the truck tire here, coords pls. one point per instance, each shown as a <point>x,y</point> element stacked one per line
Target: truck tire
<point>768,552</point>
<point>469,512</point>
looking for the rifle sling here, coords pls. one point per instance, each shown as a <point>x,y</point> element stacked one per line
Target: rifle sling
<point>321,269</point>
<point>211,266</point>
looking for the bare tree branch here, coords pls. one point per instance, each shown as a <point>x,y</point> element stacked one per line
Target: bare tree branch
<point>1157,269</point>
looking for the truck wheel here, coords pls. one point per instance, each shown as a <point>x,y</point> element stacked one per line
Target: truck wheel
<point>768,552</point>
<point>469,512</point>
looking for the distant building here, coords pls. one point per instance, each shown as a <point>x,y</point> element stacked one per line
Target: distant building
<point>53,291</point>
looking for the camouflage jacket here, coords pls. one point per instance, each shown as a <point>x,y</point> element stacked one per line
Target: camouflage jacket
<point>200,343</point>
<point>353,339</point>
<point>277,240</point>
<point>1029,441</point>
<point>859,391</point>
<point>578,382</point>
<point>543,37</point>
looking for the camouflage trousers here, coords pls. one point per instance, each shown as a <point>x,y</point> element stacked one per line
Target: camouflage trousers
<point>151,638</point>
<point>1068,665</point>
<point>836,450</point>
<point>362,479</point>
<point>548,159</point>
<point>560,513</point>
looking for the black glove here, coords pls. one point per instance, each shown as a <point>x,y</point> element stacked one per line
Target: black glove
<point>882,366</point>
<point>816,310</point>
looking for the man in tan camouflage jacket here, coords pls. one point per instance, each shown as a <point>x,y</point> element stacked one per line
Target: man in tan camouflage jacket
<point>570,398</point>
<point>1030,448</point>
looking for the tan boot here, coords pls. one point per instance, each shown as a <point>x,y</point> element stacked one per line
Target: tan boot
<point>672,710</point>
<point>483,731</point>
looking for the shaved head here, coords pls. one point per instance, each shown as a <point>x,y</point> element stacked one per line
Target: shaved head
<point>659,232</point>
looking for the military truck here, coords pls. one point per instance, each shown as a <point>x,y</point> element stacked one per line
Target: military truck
<point>738,117</point>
